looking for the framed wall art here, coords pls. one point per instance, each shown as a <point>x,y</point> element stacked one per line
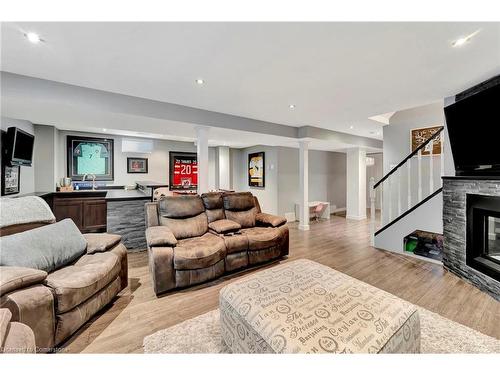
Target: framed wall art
<point>137,165</point>
<point>256,170</point>
<point>11,179</point>
<point>88,155</point>
<point>183,170</point>
<point>420,135</point>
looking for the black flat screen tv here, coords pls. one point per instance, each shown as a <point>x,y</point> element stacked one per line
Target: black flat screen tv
<point>19,147</point>
<point>473,125</point>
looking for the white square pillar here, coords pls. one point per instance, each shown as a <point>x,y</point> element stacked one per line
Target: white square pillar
<point>202,151</point>
<point>224,172</point>
<point>356,184</point>
<point>304,184</point>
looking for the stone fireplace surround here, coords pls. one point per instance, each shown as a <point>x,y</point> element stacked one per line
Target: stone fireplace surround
<point>455,190</point>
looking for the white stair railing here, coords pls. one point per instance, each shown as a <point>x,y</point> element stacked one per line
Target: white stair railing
<point>397,175</point>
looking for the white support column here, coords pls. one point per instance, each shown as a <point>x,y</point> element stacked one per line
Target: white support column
<point>224,172</point>
<point>202,151</point>
<point>304,184</point>
<point>356,184</point>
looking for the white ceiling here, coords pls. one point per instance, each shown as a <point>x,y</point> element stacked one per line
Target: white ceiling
<point>337,74</point>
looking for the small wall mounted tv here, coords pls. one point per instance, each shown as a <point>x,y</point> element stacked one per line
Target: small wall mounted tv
<point>473,125</point>
<point>19,147</point>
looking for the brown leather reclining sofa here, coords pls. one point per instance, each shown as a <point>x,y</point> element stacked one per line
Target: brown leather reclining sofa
<point>55,304</point>
<point>193,239</point>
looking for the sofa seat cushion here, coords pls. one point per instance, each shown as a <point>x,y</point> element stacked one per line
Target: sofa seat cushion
<point>199,252</point>
<point>99,242</point>
<point>75,284</point>
<point>235,242</point>
<point>260,238</point>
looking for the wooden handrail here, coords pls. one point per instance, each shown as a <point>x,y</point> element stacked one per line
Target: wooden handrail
<point>408,157</point>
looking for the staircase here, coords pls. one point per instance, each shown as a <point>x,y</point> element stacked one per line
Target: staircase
<point>419,212</point>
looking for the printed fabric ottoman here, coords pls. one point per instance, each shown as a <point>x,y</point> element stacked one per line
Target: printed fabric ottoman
<point>305,307</point>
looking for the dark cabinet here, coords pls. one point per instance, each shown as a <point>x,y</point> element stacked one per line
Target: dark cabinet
<point>89,214</point>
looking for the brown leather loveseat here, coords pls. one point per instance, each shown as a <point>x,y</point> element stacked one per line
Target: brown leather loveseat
<point>193,239</point>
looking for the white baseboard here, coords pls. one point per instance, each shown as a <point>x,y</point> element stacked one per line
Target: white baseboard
<point>352,217</point>
<point>335,210</point>
<point>303,227</point>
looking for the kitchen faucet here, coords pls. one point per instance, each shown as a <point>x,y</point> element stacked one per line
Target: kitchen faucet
<point>94,186</point>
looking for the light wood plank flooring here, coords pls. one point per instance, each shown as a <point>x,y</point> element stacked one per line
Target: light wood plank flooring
<point>339,243</point>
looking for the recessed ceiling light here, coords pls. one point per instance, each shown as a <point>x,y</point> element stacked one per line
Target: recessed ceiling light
<point>33,37</point>
<point>291,106</point>
<point>200,81</point>
<point>351,127</point>
<point>104,129</point>
<point>464,40</point>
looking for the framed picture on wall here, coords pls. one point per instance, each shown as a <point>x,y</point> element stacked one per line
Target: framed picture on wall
<point>137,165</point>
<point>257,169</point>
<point>88,155</point>
<point>420,135</point>
<point>11,179</point>
<point>183,170</point>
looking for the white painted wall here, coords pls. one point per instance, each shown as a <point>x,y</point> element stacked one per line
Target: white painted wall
<point>27,177</point>
<point>427,217</point>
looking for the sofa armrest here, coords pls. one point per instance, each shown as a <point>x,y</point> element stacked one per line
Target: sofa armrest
<point>161,268</point>
<point>160,236</point>
<point>13,278</point>
<point>100,242</point>
<point>224,226</point>
<point>269,220</point>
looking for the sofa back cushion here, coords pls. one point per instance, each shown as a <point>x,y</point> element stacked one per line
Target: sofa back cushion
<point>240,207</point>
<point>181,206</point>
<point>24,213</point>
<point>184,215</point>
<point>188,227</point>
<point>214,206</point>
<point>46,248</point>
<point>238,201</point>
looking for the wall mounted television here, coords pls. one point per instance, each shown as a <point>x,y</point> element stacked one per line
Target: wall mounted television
<point>473,125</point>
<point>18,147</point>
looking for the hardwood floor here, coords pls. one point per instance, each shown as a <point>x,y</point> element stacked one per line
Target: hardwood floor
<point>339,243</point>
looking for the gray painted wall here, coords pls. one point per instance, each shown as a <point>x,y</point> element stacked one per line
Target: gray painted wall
<point>268,195</point>
<point>327,178</point>
<point>27,178</point>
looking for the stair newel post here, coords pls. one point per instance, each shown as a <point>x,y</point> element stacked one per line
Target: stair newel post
<point>431,168</point>
<point>419,175</point>
<point>372,210</point>
<point>408,169</point>
<point>399,191</point>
